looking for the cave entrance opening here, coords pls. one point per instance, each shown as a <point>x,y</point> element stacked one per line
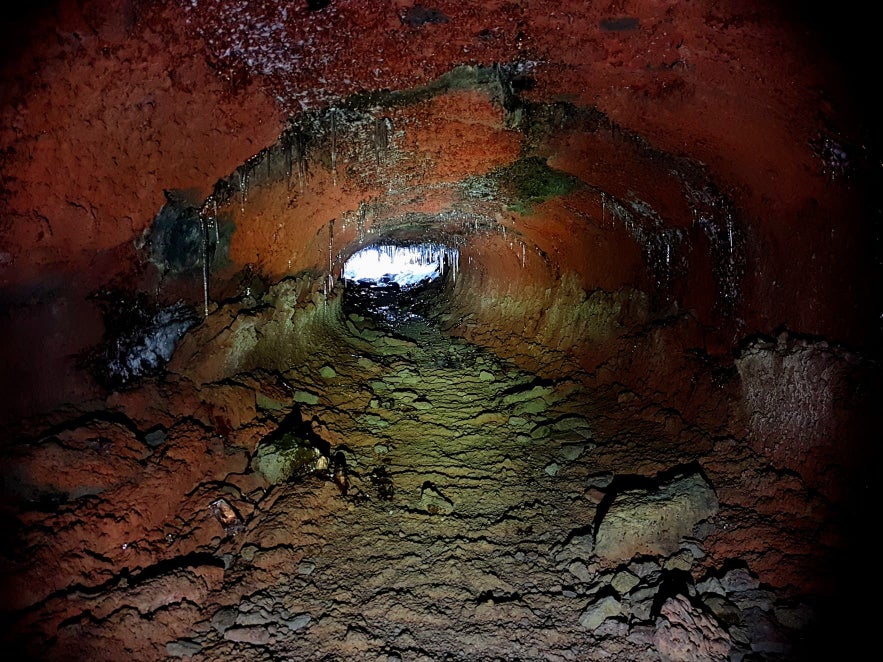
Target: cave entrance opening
<point>406,266</point>
<point>396,283</point>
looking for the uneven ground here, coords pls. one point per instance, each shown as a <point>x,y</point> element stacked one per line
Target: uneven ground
<point>468,528</point>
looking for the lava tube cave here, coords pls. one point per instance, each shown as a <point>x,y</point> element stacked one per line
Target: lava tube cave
<point>380,330</point>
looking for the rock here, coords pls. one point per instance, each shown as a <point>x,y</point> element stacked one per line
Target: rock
<point>624,581</point>
<point>578,547</point>
<point>305,398</point>
<point>552,469</point>
<point>600,480</point>
<point>579,570</point>
<point>640,602</point>
<point>224,619</point>
<point>725,611</point>
<point>796,617</point>
<point>299,622</point>
<point>572,424</point>
<point>649,571</point>
<point>757,598</point>
<point>306,568</point>
<point>248,635</point>
<point>269,404</point>
<point>764,633</point>
<point>285,458</point>
<point>486,376</point>
<point>642,635</point>
<point>710,585</point>
<point>155,437</point>
<point>683,560</point>
<point>527,394</point>
<point>182,648</point>
<point>738,580</point>
<point>685,634</point>
<point>654,521</point>
<point>381,449</point>
<point>531,407</point>
<point>600,611</point>
<point>260,617</point>
<point>434,502</point>
<point>570,452</point>
<point>327,372</point>
<point>422,404</point>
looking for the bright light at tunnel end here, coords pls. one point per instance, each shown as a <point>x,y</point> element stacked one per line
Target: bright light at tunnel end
<point>405,266</point>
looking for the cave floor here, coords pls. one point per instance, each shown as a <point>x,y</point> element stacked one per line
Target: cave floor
<point>465,531</point>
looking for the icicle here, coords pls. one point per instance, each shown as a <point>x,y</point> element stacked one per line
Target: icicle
<point>215,225</point>
<point>243,189</point>
<point>603,205</point>
<point>730,232</point>
<point>288,164</point>
<point>382,130</point>
<point>523,255</point>
<point>203,226</point>
<point>333,146</point>
<point>330,246</point>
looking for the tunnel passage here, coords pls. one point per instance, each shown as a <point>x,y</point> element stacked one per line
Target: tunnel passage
<point>589,437</point>
<point>394,283</point>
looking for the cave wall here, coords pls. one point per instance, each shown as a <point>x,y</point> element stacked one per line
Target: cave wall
<point>720,131</point>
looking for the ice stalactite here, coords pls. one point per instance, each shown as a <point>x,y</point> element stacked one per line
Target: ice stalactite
<point>382,133</point>
<point>203,223</point>
<point>712,213</point>
<point>243,188</point>
<point>334,146</point>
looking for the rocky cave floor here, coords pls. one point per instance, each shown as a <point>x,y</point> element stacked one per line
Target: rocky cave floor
<point>466,523</point>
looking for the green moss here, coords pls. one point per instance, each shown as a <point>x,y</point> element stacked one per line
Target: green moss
<point>525,183</point>
<point>287,457</point>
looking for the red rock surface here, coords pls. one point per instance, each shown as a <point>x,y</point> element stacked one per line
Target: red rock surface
<point>724,190</point>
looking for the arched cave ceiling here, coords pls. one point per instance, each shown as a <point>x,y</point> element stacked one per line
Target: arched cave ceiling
<point>699,151</point>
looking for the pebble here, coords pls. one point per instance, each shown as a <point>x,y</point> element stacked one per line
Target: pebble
<point>155,438</point>
<point>327,372</point>
<point>381,449</point>
<point>486,376</point>
<point>552,469</point>
<point>306,568</point>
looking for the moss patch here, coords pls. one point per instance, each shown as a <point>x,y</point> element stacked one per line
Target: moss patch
<point>524,183</point>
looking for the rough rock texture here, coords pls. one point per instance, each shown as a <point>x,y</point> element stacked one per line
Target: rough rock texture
<point>654,521</point>
<point>684,634</point>
<point>639,195</point>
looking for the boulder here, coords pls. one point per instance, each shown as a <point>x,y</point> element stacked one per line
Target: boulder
<point>653,521</point>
